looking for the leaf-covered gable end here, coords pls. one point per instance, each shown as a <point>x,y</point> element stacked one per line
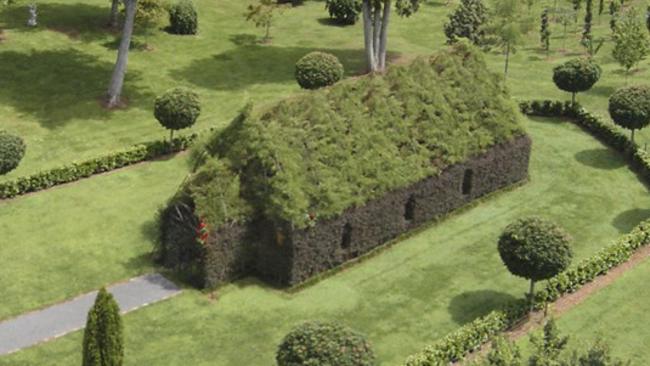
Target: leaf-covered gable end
<point>312,156</point>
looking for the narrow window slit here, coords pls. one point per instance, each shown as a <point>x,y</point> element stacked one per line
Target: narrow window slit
<point>467,181</point>
<point>346,238</point>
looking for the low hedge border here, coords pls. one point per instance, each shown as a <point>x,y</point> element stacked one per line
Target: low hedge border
<point>76,171</point>
<point>470,337</point>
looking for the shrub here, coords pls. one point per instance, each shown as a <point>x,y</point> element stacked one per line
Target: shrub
<point>467,21</point>
<point>315,343</point>
<point>535,249</point>
<point>576,75</point>
<point>178,108</point>
<point>318,69</point>
<point>629,107</point>
<point>183,18</point>
<point>343,11</point>
<point>12,150</point>
<point>103,338</point>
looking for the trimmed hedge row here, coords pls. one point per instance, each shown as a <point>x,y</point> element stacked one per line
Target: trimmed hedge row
<point>472,336</point>
<point>75,171</point>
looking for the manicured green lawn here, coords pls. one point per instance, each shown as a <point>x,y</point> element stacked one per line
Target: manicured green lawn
<point>405,298</point>
<point>58,244</point>
<point>617,313</point>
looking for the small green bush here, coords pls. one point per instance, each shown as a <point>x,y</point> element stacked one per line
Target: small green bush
<point>630,107</point>
<point>315,344</point>
<point>345,12</point>
<point>576,75</point>
<point>318,69</point>
<point>183,18</point>
<point>177,109</point>
<point>103,341</point>
<point>12,150</point>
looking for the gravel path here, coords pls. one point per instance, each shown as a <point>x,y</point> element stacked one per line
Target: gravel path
<point>57,320</point>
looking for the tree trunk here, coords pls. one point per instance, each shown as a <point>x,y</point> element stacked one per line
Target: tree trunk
<point>376,31</point>
<point>507,59</point>
<point>368,36</point>
<point>383,41</point>
<point>531,295</point>
<point>573,98</point>
<point>112,20</point>
<point>117,80</point>
<point>632,136</point>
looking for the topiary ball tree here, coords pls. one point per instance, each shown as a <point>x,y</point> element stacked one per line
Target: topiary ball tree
<point>317,343</point>
<point>629,107</point>
<point>183,18</point>
<point>12,151</point>
<point>576,76</point>
<point>344,12</point>
<point>318,69</point>
<point>103,341</point>
<point>177,109</point>
<point>535,249</point>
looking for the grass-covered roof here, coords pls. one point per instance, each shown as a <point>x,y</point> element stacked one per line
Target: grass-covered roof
<point>314,155</point>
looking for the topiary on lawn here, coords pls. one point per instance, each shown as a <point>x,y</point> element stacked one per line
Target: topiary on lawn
<point>576,75</point>
<point>178,108</point>
<point>316,343</point>
<point>629,107</point>
<point>12,150</point>
<point>183,18</point>
<point>535,249</point>
<point>344,12</point>
<point>318,69</point>
<point>103,337</point>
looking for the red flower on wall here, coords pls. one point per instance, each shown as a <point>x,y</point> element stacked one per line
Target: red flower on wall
<point>202,232</point>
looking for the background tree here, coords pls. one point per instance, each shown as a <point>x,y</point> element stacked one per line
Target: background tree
<point>614,8</point>
<point>535,249</point>
<point>508,27</point>
<point>113,17</point>
<point>12,151</point>
<point>630,41</point>
<point>576,8</point>
<point>544,32</point>
<point>547,349</point>
<point>344,12</point>
<point>262,15</point>
<point>629,107</point>
<point>177,109</point>
<point>504,353</point>
<point>576,76</point>
<point>586,32</point>
<point>119,72</point>
<point>467,21</point>
<point>376,19</point>
<point>103,336</point>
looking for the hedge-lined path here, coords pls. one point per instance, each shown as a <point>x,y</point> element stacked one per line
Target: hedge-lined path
<point>58,320</point>
<point>567,302</point>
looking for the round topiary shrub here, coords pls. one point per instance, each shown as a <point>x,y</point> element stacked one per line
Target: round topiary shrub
<point>12,151</point>
<point>576,76</point>
<point>345,12</point>
<point>535,249</point>
<point>316,343</point>
<point>178,108</point>
<point>318,69</point>
<point>183,18</point>
<point>629,107</point>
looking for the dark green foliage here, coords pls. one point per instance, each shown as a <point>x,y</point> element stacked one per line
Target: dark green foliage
<point>313,156</point>
<point>103,339</point>
<point>601,7</point>
<point>647,18</point>
<point>614,9</point>
<point>549,347</point>
<point>178,108</point>
<point>535,248</point>
<point>75,171</point>
<point>576,75</point>
<point>316,344</point>
<point>344,11</point>
<point>12,151</point>
<point>183,18</point>
<point>629,107</point>
<point>545,32</point>
<point>318,69</point>
<point>587,37</point>
<point>467,21</point>
<point>504,353</point>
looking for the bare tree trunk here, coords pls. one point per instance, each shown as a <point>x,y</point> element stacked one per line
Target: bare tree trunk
<point>383,41</point>
<point>376,30</point>
<point>531,295</point>
<point>117,80</point>
<point>112,20</point>
<point>368,36</point>
<point>507,59</point>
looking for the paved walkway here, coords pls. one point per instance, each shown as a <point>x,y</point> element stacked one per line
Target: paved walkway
<point>58,320</point>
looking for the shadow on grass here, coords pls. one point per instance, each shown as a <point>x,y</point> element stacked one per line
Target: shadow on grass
<point>602,90</point>
<point>57,86</point>
<point>600,158</point>
<point>78,21</point>
<point>473,304</point>
<point>628,220</point>
<point>252,64</point>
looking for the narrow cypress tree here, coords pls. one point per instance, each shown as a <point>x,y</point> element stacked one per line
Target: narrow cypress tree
<point>576,8</point>
<point>586,33</point>
<point>614,7</point>
<point>103,338</point>
<point>544,32</point>
<point>601,8</point>
<point>647,18</point>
